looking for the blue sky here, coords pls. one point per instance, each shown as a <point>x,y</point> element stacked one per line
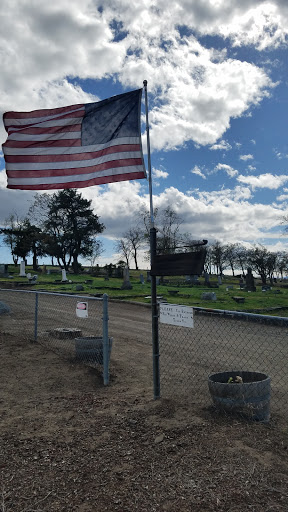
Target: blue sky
<point>217,82</point>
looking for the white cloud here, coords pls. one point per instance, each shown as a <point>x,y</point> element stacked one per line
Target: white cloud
<point>53,41</point>
<point>246,157</point>
<point>251,168</point>
<point>158,173</point>
<point>228,169</point>
<point>222,144</point>
<point>263,181</point>
<point>283,197</point>
<point>196,170</point>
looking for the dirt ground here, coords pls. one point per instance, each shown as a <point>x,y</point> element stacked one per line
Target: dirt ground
<point>70,444</point>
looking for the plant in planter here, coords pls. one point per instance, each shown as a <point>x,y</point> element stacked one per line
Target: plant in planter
<point>242,392</point>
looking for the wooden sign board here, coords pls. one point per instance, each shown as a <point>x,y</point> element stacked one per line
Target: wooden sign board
<point>179,264</point>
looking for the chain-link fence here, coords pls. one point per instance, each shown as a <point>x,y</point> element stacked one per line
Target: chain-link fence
<point>228,345</point>
<point>74,326</point>
<point>219,342</point>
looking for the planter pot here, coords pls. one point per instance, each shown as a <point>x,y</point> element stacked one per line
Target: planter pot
<point>90,349</point>
<point>250,398</point>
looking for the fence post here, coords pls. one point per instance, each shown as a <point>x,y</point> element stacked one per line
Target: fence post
<point>36,317</point>
<point>105,341</point>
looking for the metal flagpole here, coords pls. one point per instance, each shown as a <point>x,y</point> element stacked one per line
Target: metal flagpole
<point>154,306</point>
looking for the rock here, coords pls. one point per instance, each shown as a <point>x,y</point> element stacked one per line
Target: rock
<point>159,439</point>
<point>4,308</point>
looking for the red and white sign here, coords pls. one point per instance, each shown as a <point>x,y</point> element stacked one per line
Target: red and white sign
<point>82,309</point>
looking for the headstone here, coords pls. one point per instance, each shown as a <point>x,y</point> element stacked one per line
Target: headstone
<point>208,296</point>
<point>148,278</point>
<point>207,279</point>
<point>195,280</point>
<point>219,280</point>
<point>22,269</point>
<point>229,287</point>
<point>126,280</point>
<point>64,276</point>
<point>79,288</point>
<point>188,279</point>
<point>142,279</point>
<point>3,269</point>
<point>266,288</point>
<point>250,286</point>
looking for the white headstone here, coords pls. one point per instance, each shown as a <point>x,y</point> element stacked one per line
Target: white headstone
<point>64,277</point>
<point>22,269</point>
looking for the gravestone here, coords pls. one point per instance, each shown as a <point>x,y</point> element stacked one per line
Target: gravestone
<point>142,279</point>
<point>3,270</point>
<point>250,286</point>
<point>195,280</point>
<point>207,279</point>
<point>219,280</point>
<point>148,278</point>
<point>22,269</point>
<point>126,280</point>
<point>208,296</point>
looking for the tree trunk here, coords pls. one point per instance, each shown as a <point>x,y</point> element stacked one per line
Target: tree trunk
<point>35,266</point>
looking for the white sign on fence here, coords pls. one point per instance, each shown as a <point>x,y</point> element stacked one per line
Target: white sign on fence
<point>176,315</point>
<point>82,309</point>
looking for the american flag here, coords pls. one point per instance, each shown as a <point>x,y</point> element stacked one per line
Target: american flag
<point>75,146</point>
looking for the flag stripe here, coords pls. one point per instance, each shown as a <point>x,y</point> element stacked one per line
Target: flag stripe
<point>79,184</point>
<point>69,150</point>
<point>37,116</point>
<point>77,156</point>
<point>48,126</point>
<point>79,144</point>
<point>126,162</point>
<point>19,166</point>
<point>41,145</point>
<point>61,134</point>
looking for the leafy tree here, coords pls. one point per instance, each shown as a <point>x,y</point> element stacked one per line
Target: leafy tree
<point>23,238</point>
<point>11,225</point>
<point>70,225</point>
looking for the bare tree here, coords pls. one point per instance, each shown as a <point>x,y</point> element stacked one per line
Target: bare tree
<point>218,257</point>
<point>263,262</point>
<point>123,247</point>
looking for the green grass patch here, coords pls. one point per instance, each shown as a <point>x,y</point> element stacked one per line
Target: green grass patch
<point>272,302</point>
